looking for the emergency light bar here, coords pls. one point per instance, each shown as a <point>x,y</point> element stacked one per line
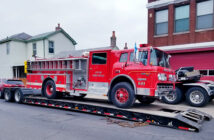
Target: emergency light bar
<point>144,45</point>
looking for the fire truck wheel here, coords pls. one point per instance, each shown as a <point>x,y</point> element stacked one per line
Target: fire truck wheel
<point>18,96</point>
<point>197,97</point>
<point>50,90</point>
<point>122,95</point>
<point>174,98</point>
<point>8,95</point>
<point>145,100</point>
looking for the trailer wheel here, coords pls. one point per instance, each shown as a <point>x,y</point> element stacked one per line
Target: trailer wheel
<point>18,96</point>
<point>8,95</point>
<point>173,98</point>
<point>123,95</point>
<point>145,100</point>
<point>50,90</point>
<point>197,97</point>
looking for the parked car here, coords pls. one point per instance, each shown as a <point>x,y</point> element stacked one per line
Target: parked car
<point>9,83</point>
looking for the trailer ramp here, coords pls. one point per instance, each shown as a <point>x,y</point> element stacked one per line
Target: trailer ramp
<point>189,120</point>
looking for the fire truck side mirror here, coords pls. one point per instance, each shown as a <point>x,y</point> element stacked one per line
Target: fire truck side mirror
<point>25,66</point>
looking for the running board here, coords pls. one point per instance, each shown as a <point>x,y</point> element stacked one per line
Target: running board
<point>190,120</point>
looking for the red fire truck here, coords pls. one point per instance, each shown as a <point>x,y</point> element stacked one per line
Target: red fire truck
<point>122,75</point>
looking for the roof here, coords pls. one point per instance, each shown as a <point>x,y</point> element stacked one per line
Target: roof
<point>78,53</point>
<point>23,37</point>
<point>48,34</point>
<point>162,3</point>
<point>17,37</point>
<point>188,46</point>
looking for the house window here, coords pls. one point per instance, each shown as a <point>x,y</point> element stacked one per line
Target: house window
<point>204,14</point>
<point>124,57</point>
<point>34,49</point>
<point>8,48</point>
<point>182,18</point>
<point>161,22</point>
<point>51,46</point>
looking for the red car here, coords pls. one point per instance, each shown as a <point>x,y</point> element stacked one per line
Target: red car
<point>9,83</point>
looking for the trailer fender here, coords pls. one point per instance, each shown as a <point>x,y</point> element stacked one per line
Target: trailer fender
<point>202,85</point>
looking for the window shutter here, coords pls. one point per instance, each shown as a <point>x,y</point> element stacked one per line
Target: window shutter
<point>182,12</point>
<point>205,8</point>
<point>162,16</point>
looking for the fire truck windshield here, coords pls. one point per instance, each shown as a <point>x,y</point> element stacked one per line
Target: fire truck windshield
<point>159,58</point>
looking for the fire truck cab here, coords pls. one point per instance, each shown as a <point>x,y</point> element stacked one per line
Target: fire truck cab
<point>122,75</point>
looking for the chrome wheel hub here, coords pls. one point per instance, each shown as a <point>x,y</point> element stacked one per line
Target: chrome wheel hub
<point>196,97</point>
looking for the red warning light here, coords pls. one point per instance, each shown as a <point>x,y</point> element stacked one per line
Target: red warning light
<point>144,45</point>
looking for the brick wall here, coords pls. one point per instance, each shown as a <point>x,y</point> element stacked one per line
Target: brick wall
<point>192,36</point>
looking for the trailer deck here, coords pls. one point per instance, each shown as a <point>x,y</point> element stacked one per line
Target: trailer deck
<point>190,120</point>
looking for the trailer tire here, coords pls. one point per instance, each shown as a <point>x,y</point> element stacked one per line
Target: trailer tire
<point>122,95</point>
<point>173,99</point>
<point>197,97</point>
<point>8,95</point>
<point>18,96</point>
<point>145,100</point>
<point>49,90</point>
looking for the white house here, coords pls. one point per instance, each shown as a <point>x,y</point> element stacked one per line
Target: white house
<point>14,50</point>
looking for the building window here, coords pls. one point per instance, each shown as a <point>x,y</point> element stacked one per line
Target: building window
<point>34,49</point>
<point>182,18</point>
<point>161,22</point>
<point>124,57</point>
<point>204,14</point>
<point>207,72</point>
<point>99,58</point>
<point>8,48</point>
<point>51,46</point>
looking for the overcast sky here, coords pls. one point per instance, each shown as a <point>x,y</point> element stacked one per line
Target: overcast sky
<point>89,22</point>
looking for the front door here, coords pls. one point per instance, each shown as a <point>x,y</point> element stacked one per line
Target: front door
<point>99,72</point>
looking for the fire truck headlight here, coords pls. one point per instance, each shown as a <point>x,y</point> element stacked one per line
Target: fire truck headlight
<point>162,77</point>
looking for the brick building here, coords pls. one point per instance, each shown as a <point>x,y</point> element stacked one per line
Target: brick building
<point>185,29</point>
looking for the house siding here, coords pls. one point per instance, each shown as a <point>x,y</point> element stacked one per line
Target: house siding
<point>12,59</point>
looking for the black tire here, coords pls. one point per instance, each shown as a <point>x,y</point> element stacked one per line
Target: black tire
<point>1,95</point>
<point>145,100</point>
<point>175,98</point>
<point>18,96</point>
<point>49,90</point>
<point>194,93</point>
<point>80,97</point>
<point>129,96</point>
<point>8,95</point>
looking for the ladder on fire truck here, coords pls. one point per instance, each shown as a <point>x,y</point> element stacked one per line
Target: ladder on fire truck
<point>69,64</point>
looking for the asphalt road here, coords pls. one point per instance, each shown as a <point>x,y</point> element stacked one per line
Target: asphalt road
<point>25,122</point>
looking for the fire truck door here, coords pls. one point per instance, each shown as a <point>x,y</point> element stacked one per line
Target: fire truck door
<point>98,73</point>
<point>98,68</point>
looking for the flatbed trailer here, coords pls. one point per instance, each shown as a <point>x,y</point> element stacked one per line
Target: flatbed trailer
<point>189,120</point>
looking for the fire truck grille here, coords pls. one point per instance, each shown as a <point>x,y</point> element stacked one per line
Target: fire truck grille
<point>165,86</point>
